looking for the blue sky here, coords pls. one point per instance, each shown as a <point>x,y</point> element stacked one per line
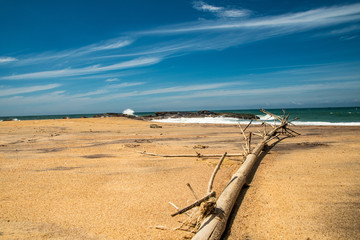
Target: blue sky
<point>77,56</point>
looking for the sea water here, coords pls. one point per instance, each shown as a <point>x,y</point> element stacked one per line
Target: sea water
<point>349,116</point>
<point>346,116</point>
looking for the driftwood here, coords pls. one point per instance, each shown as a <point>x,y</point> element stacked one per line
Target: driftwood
<point>199,155</point>
<point>192,190</point>
<point>213,225</point>
<point>215,171</point>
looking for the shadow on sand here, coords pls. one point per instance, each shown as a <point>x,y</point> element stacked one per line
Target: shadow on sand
<point>243,191</point>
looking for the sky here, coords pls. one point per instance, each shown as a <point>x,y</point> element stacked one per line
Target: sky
<point>92,56</point>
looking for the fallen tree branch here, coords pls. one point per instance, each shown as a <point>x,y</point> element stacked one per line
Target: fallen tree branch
<point>214,225</point>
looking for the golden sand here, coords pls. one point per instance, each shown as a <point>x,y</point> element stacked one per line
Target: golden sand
<point>85,179</point>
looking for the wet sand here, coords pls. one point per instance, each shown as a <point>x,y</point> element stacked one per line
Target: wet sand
<point>85,179</point>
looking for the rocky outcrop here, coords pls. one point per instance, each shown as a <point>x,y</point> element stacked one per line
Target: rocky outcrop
<point>115,115</point>
<point>164,115</point>
<point>203,113</point>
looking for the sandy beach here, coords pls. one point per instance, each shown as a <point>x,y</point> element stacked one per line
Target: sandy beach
<point>85,179</point>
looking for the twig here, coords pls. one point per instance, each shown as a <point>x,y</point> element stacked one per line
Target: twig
<point>263,122</point>
<point>248,125</point>
<point>160,227</point>
<point>293,131</point>
<point>195,204</point>
<point>290,122</point>
<point>192,190</point>
<point>258,134</point>
<point>245,150</point>
<point>174,205</point>
<point>249,142</point>
<point>242,131</point>
<point>269,113</point>
<point>191,155</point>
<point>214,173</point>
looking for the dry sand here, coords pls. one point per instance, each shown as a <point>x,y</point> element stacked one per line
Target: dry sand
<point>84,179</point>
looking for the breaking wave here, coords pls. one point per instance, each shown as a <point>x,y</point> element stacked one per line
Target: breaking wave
<point>128,111</point>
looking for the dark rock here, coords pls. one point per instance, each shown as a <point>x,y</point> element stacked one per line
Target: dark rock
<point>205,112</point>
<point>164,115</point>
<point>115,115</point>
<point>240,115</point>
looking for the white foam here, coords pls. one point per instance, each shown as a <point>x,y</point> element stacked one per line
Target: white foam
<point>299,123</point>
<point>212,120</point>
<point>226,120</point>
<point>128,111</point>
<point>266,117</point>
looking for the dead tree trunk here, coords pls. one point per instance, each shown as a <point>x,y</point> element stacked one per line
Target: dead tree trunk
<point>213,226</point>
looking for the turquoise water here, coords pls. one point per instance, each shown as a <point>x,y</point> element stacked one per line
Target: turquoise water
<point>307,116</point>
<point>328,115</point>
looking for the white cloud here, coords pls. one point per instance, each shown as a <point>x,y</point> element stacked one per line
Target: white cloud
<point>7,59</point>
<point>202,6</point>
<point>96,92</point>
<point>294,22</point>
<point>220,11</point>
<point>125,84</point>
<point>75,54</point>
<point>198,87</point>
<point>189,88</point>
<point>157,49</point>
<point>263,92</point>
<point>14,91</point>
<point>111,45</point>
<point>139,62</point>
<point>345,30</point>
<point>112,80</point>
<point>107,89</point>
<point>234,13</point>
<point>234,32</point>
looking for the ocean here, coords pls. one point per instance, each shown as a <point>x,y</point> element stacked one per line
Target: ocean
<point>345,116</point>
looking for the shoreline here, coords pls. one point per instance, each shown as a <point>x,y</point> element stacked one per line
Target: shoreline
<point>207,120</point>
<point>83,178</point>
<point>308,116</point>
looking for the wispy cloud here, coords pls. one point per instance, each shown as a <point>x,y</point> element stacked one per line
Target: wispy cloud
<point>300,21</point>
<point>107,89</point>
<point>264,92</point>
<point>7,59</point>
<point>84,71</point>
<point>177,89</point>
<point>21,90</point>
<point>125,84</point>
<point>193,36</point>
<point>220,11</point>
<point>186,98</point>
<point>112,80</point>
<point>202,6</point>
<point>110,45</point>
<point>345,30</point>
<point>75,54</point>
